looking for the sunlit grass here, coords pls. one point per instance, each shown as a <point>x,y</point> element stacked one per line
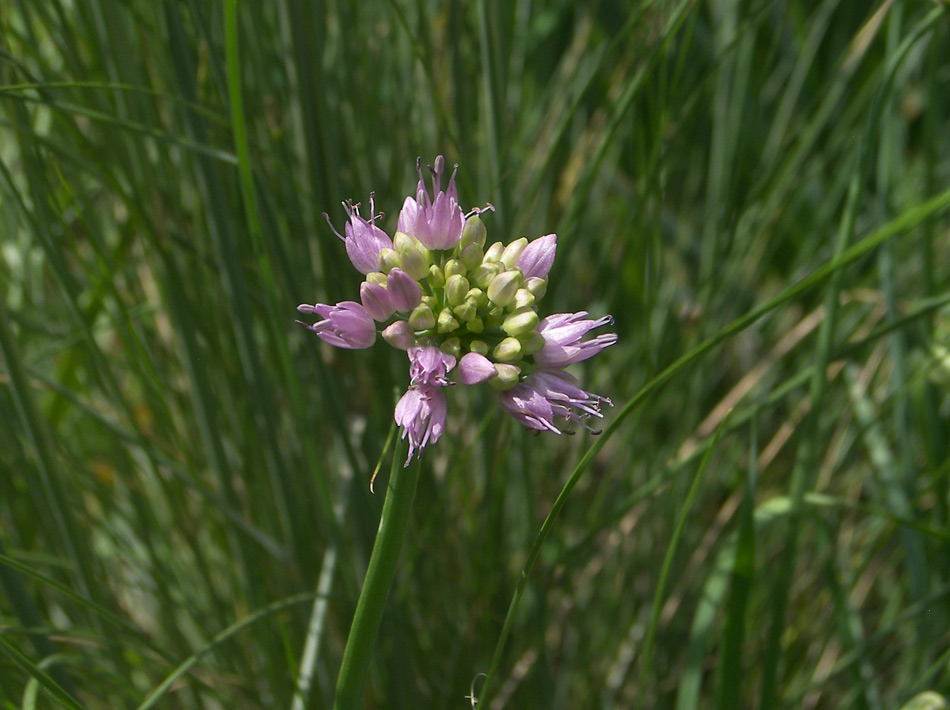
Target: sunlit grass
<point>757,193</point>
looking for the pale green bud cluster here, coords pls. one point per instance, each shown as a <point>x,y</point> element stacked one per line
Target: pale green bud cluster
<point>474,299</point>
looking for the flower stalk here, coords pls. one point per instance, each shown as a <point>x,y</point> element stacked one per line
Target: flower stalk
<point>361,642</point>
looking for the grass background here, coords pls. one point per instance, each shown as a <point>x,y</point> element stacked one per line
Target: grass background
<point>755,189</point>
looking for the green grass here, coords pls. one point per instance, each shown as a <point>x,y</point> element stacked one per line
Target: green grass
<point>757,191</point>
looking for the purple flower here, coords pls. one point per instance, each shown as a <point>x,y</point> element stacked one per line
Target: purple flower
<point>404,292</point>
<point>475,368</point>
<point>400,335</point>
<point>346,325</point>
<point>421,414</point>
<point>436,223</point>
<point>364,240</point>
<point>429,366</point>
<point>375,299</point>
<point>547,396</point>
<point>538,257</point>
<point>562,334</point>
<point>450,302</point>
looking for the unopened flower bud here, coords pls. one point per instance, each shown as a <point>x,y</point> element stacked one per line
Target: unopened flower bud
<point>523,298</point>
<point>507,350</point>
<point>436,277</point>
<point>422,318</point>
<point>473,232</point>
<point>401,241</point>
<point>537,286</point>
<point>376,301</point>
<point>531,342</point>
<point>538,257</point>
<point>456,288</point>
<point>376,277</point>
<point>447,321</point>
<point>471,256</point>
<point>400,335</point>
<point>508,376</point>
<point>476,325</point>
<point>388,260</point>
<point>513,251</point>
<point>452,346</point>
<point>482,274</point>
<point>502,289</point>
<point>404,292</point>
<point>466,312</point>
<point>479,297</point>
<point>414,262</point>
<point>521,321</point>
<point>474,368</point>
<point>494,253</point>
<point>479,346</point>
<point>494,317</point>
<point>432,302</point>
<point>453,267</point>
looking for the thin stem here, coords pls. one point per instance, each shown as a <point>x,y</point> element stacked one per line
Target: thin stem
<point>379,576</point>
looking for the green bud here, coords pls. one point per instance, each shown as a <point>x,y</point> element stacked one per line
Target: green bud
<point>447,322</point>
<point>508,376</point>
<point>432,302</point>
<point>452,346</point>
<point>482,274</point>
<point>507,350</point>
<point>531,342</point>
<point>521,321</point>
<point>510,256</point>
<point>456,288</point>
<point>537,286</point>
<point>494,253</point>
<point>471,256</point>
<point>502,289</point>
<point>422,318</point>
<point>523,298</point>
<point>494,317</point>
<point>376,277</point>
<point>389,260</point>
<point>479,346</point>
<point>453,267</point>
<point>414,262</point>
<point>466,312</point>
<point>401,241</point>
<point>473,232</point>
<point>478,296</point>
<point>476,325</point>
<point>436,277</point>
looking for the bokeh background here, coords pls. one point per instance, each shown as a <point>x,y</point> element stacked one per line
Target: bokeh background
<point>754,189</point>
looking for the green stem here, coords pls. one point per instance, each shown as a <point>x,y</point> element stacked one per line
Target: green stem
<point>379,576</point>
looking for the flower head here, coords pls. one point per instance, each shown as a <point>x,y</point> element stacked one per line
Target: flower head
<point>547,397</point>
<point>364,240</point>
<point>346,325</point>
<point>562,334</point>
<point>429,366</point>
<point>443,295</point>
<point>421,414</point>
<point>437,223</point>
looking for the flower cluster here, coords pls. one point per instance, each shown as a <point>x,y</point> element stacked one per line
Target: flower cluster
<point>459,308</point>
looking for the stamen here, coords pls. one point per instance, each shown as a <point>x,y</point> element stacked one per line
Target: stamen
<point>332,228</point>
<point>437,174</point>
<point>489,207</point>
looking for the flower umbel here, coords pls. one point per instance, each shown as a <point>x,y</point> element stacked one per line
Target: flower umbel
<point>446,299</point>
